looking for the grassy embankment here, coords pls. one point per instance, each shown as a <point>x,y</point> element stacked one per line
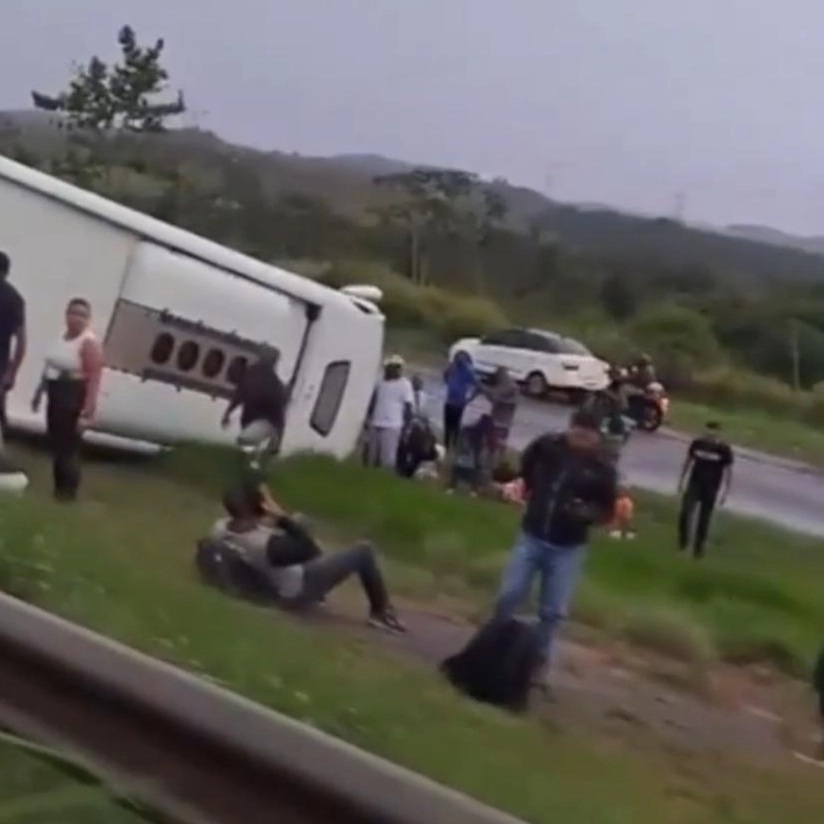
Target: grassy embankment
<point>121,562</point>
<point>34,790</point>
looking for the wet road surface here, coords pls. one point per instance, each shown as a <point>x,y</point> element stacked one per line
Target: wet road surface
<point>781,491</point>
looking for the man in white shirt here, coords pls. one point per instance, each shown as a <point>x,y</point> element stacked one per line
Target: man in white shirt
<point>390,411</point>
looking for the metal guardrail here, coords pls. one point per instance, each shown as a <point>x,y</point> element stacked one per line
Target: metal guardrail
<point>194,751</point>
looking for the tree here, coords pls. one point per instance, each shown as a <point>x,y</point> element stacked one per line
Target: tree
<point>429,202</point>
<point>121,97</point>
<point>619,298</point>
<point>104,103</point>
<point>682,340</point>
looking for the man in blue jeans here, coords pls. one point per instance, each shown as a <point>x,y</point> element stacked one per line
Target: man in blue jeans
<point>570,484</point>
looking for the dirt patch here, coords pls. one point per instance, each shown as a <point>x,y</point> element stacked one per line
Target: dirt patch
<point>623,696</point>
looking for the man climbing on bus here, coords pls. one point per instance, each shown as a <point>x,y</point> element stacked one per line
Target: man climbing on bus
<point>263,398</point>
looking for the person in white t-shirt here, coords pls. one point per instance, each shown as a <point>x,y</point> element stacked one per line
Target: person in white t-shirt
<point>391,410</point>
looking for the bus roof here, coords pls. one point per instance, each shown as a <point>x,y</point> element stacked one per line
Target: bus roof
<point>173,238</point>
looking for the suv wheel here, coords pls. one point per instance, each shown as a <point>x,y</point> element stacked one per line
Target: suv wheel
<point>536,385</point>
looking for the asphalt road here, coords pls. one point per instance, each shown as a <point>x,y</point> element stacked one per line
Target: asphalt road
<point>781,491</point>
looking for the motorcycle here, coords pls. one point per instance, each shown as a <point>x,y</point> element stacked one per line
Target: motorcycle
<point>648,408</point>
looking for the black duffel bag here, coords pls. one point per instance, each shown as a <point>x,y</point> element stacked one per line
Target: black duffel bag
<point>497,665</point>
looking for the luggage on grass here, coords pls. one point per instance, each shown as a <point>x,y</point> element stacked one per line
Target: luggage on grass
<point>226,570</point>
<point>497,665</point>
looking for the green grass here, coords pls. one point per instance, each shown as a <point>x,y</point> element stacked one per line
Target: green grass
<point>757,593</point>
<point>121,563</point>
<point>755,429</point>
<point>33,791</point>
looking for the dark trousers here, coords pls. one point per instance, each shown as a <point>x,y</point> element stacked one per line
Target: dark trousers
<point>471,476</point>
<point>697,506</point>
<point>65,399</point>
<point>4,423</point>
<point>452,418</point>
<point>323,574</point>
<point>408,462</point>
<point>417,445</point>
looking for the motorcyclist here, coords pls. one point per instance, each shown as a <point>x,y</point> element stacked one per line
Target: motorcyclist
<point>642,373</point>
<point>611,407</point>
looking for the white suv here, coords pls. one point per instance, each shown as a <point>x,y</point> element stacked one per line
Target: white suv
<point>540,361</point>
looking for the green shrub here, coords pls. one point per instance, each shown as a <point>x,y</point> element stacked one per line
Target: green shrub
<point>682,340</point>
<point>737,389</point>
<point>670,632</point>
<point>455,316</point>
<point>449,315</point>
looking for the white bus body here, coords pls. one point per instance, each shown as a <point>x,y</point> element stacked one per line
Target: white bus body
<point>179,316</point>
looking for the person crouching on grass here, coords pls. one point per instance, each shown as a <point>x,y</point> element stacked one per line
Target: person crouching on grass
<point>568,487</point>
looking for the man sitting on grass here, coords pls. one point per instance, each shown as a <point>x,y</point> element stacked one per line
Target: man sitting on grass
<point>282,550</point>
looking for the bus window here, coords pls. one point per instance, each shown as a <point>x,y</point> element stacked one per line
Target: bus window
<point>187,356</point>
<point>330,397</point>
<point>213,363</point>
<point>162,348</point>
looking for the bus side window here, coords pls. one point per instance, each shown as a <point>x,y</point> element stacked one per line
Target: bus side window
<point>188,356</point>
<point>162,348</point>
<point>213,363</point>
<point>330,397</point>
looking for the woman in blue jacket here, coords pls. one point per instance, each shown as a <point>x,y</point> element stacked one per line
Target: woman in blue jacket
<point>461,388</point>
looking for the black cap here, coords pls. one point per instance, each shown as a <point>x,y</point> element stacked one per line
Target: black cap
<point>5,264</point>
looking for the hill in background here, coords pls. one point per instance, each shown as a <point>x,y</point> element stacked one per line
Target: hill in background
<point>345,183</point>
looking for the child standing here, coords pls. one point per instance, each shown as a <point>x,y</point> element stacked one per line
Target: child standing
<point>621,526</point>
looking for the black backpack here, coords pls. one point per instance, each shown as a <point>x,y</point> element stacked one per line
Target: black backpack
<point>497,664</point>
<point>223,568</point>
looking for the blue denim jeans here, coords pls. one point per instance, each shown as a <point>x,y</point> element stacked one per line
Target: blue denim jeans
<point>557,568</point>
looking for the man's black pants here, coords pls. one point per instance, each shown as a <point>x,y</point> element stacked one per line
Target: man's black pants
<point>697,506</point>
<point>65,398</point>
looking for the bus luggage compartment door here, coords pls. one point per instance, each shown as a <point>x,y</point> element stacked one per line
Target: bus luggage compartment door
<point>179,339</point>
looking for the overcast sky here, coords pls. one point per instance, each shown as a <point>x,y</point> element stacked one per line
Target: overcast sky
<point>626,102</point>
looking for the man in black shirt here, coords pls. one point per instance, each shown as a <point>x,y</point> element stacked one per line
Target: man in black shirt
<point>12,326</point>
<point>263,399</point>
<point>569,488</point>
<point>708,475</point>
